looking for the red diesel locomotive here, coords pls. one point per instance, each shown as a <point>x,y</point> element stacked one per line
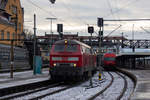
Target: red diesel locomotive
<point>109,60</point>
<point>71,59</point>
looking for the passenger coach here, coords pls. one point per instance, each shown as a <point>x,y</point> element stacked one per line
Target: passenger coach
<point>71,59</point>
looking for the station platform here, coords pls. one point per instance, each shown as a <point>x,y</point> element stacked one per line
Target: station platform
<point>142,91</point>
<point>22,78</point>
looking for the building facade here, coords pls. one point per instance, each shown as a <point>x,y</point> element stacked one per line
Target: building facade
<point>11,21</point>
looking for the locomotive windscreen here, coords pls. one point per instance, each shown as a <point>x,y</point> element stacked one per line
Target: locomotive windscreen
<point>109,59</point>
<point>65,48</point>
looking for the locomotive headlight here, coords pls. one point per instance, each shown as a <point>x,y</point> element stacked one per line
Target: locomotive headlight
<point>75,65</point>
<point>66,41</point>
<point>54,64</point>
<point>73,59</point>
<point>56,58</point>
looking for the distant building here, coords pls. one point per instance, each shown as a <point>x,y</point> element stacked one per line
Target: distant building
<point>11,21</point>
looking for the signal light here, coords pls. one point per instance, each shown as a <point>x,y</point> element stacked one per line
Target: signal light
<point>90,29</point>
<point>100,22</point>
<point>59,28</point>
<point>52,1</point>
<point>74,65</point>
<point>54,64</point>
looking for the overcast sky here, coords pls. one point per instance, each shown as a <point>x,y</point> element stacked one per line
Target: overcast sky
<point>76,15</point>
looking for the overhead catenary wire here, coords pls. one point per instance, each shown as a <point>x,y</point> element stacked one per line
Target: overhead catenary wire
<point>125,6</point>
<point>48,12</point>
<point>70,10</point>
<point>145,30</point>
<point>128,19</point>
<point>113,31</point>
<point>41,8</point>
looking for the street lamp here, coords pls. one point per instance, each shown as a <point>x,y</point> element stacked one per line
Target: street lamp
<point>51,19</point>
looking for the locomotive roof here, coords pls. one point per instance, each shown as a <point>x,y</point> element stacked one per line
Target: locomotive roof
<point>72,42</point>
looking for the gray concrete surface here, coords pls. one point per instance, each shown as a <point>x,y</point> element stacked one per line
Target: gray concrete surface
<point>21,78</point>
<point>142,91</point>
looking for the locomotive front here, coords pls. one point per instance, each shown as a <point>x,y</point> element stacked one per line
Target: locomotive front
<point>109,60</point>
<point>65,59</point>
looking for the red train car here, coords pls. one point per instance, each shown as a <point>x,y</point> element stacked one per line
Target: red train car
<point>70,59</point>
<point>109,60</point>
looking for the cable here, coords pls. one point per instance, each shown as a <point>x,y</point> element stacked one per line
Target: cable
<point>111,11</point>
<point>127,5</point>
<point>67,7</point>
<point>47,12</point>
<point>145,30</point>
<point>128,19</point>
<point>41,8</point>
<point>113,31</point>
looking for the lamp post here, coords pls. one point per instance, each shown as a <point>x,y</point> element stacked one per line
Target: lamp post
<point>34,53</point>
<point>51,19</point>
<point>133,46</point>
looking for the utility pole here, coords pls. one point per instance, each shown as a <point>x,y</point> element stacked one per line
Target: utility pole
<point>34,60</point>
<point>122,41</point>
<point>12,45</point>
<point>133,47</point>
<point>100,24</point>
<point>91,31</point>
<point>12,59</point>
<point>51,32</point>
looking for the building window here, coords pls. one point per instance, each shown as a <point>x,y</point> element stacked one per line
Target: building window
<point>13,35</point>
<point>19,27</point>
<point>8,35</point>
<point>19,36</point>
<point>14,9</point>
<point>2,34</point>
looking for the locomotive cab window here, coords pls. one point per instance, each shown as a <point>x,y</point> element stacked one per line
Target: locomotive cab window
<point>66,48</point>
<point>71,48</point>
<point>59,48</point>
<point>109,59</point>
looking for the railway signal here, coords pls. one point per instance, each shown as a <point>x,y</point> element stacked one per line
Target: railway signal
<point>91,29</point>
<point>100,22</point>
<point>52,1</point>
<point>60,30</point>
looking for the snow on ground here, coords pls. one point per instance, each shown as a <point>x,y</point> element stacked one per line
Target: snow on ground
<point>114,91</point>
<point>82,92</point>
<point>130,88</point>
<point>30,96</point>
<point>21,78</point>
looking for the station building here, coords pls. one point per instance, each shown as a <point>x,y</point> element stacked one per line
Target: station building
<point>11,22</point>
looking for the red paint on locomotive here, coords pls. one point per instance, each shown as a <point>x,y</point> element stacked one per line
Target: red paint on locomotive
<point>71,58</point>
<point>109,59</point>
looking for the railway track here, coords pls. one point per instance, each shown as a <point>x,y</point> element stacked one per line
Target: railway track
<point>40,93</point>
<point>61,90</point>
<point>98,96</point>
<point>12,96</point>
<point>124,88</point>
<point>102,91</point>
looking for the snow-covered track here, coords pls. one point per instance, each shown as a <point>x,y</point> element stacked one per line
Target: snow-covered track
<point>11,96</point>
<point>50,93</point>
<point>117,92</point>
<point>24,87</point>
<point>46,92</point>
<point>132,78</point>
<point>109,85</point>
<point>124,88</point>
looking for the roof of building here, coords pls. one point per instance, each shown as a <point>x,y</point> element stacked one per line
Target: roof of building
<point>5,21</point>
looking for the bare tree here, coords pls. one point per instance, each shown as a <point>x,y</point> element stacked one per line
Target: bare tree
<point>28,34</point>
